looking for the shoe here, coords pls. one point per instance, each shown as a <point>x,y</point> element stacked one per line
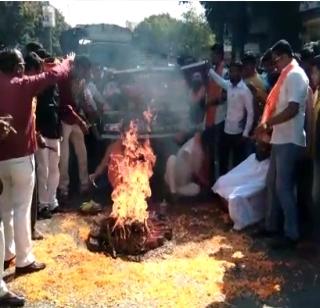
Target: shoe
<point>8,263</point>
<point>263,233</point>
<point>173,198</point>
<point>54,206</point>
<point>36,235</point>
<point>44,213</point>
<point>11,300</point>
<point>283,243</point>
<point>56,210</point>
<point>32,268</point>
<point>90,208</point>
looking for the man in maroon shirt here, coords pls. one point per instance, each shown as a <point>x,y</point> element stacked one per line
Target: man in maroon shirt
<point>73,126</point>
<point>17,153</point>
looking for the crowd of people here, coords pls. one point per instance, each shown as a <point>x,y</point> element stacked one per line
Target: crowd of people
<point>253,106</point>
<point>254,121</point>
<point>45,103</point>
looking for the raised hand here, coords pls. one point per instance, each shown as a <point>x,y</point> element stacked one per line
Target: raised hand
<point>71,56</point>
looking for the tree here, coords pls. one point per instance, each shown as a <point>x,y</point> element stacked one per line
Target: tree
<point>157,33</point>
<point>228,18</point>
<point>21,22</point>
<point>163,35</point>
<point>282,20</point>
<point>61,26</point>
<point>196,35</point>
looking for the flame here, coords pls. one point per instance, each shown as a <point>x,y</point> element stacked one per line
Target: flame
<point>132,169</point>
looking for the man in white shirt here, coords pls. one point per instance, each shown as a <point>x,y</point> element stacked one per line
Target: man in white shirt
<point>239,118</point>
<point>288,142</point>
<point>95,99</point>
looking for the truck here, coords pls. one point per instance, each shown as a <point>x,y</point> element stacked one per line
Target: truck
<point>109,45</point>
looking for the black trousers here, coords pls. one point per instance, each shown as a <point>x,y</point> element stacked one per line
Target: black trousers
<point>315,211</point>
<point>233,148</point>
<point>215,136</point>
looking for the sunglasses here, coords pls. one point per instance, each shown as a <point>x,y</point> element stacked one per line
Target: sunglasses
<point>276,59</point>
<point>21,65</point>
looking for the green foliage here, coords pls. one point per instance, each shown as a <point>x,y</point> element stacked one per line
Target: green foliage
<point>21,22</point>
<point>163,34</point>
<point>157,33</point>
<point>61,26</point>
<point>196,34</point>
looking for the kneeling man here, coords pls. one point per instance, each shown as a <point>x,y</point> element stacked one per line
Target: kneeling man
<point>244,188</point>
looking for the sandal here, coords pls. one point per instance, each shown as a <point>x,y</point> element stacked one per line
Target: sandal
<point>90,208</point>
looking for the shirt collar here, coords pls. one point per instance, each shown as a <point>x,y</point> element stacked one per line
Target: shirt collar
<point>239,85</point>
<point>293,62</point>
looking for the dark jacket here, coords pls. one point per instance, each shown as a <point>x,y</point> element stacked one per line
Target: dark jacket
<point>47,115</point>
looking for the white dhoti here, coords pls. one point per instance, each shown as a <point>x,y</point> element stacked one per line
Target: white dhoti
<point>244,188</point>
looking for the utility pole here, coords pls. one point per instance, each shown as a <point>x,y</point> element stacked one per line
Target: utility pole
<point>49,22</point>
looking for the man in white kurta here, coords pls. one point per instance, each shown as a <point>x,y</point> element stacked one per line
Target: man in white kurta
<point>244,188</point>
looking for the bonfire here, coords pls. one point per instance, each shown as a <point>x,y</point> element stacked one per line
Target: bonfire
<point>129,229</point>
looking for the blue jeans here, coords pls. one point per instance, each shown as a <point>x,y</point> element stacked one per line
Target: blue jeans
<point>281,182</point>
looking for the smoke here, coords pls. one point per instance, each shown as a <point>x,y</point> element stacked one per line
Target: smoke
<point>155,85</point>
<point>164,90</point>
<point>144,78</point>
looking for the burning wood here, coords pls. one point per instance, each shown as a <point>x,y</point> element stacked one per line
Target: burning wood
<point>128,229</point>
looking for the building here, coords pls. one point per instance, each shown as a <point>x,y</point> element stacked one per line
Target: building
<point>255,25</point>
<point>272,21</point>
<point>310,14</point>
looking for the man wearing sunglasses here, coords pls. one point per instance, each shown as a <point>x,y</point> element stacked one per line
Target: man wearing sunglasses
<point>283,118</point>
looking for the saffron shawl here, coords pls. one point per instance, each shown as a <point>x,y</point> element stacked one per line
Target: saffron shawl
<point>273,97</point>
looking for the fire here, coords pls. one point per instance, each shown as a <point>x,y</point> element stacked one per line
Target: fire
<point>129,230</point>
<point>132,168</point>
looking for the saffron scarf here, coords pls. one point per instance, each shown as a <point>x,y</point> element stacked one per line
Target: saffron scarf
<point>213,93</point>
<point>273,97</point>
